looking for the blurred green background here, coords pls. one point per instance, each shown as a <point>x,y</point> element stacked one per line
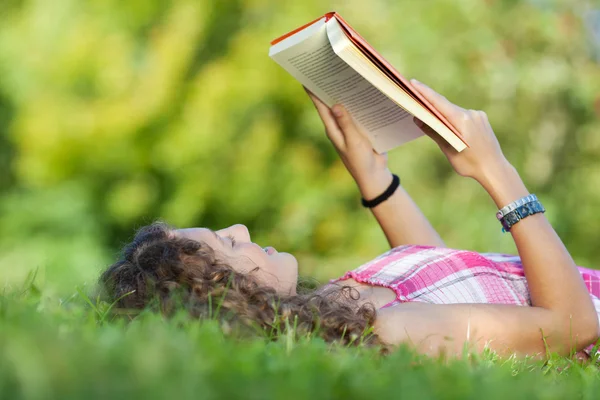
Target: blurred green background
<point>117,113</point>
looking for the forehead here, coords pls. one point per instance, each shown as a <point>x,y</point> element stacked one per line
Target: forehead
<point>199,234</point>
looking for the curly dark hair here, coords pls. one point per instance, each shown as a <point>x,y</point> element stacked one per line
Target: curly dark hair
<point>164,271</point>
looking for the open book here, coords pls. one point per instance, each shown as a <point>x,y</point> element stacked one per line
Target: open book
<point>335,63</point>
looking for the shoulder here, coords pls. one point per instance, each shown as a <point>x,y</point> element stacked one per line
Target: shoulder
<point>428,328</point>
<point>453,328</point>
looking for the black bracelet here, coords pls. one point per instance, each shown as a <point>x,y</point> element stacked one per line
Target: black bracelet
<point>384,196</point>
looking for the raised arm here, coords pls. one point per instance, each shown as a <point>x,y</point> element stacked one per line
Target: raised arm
<point>399,217</point>
<point>562,318</point>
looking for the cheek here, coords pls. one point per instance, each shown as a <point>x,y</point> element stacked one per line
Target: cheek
<point>241,265</point>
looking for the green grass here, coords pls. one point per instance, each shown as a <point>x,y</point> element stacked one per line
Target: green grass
<point>72,347</point>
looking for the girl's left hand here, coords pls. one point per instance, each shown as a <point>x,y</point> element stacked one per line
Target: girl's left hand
<point>369,169</point>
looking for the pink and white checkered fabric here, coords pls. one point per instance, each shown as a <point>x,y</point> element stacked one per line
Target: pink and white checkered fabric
<point>446,276</point>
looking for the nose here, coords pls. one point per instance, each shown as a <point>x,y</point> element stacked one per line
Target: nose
<point>238,231</point>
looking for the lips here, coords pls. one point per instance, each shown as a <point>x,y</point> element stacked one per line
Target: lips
<point>270,250</point>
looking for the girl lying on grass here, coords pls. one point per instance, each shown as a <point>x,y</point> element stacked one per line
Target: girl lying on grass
<point>419,292</point>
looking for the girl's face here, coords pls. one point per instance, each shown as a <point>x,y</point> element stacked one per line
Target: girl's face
<point>275,269</point>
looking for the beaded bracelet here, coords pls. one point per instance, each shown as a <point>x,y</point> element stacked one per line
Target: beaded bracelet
<point>514,205</point>
<point>521,212</point>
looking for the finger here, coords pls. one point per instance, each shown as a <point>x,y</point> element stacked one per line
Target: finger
<point>352,133</point>
<point>441,103</point>
<point>332,129</point>
<point>431,133</point>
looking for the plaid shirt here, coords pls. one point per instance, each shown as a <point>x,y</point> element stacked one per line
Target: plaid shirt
<point>445,276</point>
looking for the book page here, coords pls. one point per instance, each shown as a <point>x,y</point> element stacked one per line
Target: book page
<point>386,68</point>
<point>363,65</point>
<point>314,63</point>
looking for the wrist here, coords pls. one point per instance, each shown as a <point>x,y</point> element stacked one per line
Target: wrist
<point>375,184</point>
<point>503,183</point>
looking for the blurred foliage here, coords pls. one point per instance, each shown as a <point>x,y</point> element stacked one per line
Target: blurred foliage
<point>116,113</point>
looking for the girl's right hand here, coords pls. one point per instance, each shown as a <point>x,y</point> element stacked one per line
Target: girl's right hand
<point>484,155</point>
<point>369,169</point>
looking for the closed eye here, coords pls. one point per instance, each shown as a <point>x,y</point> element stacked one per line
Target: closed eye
<point>232,240</point>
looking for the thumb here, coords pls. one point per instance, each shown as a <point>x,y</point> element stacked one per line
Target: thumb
<point>448,109</point>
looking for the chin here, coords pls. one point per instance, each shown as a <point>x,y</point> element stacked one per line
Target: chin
<point>288,258</point>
